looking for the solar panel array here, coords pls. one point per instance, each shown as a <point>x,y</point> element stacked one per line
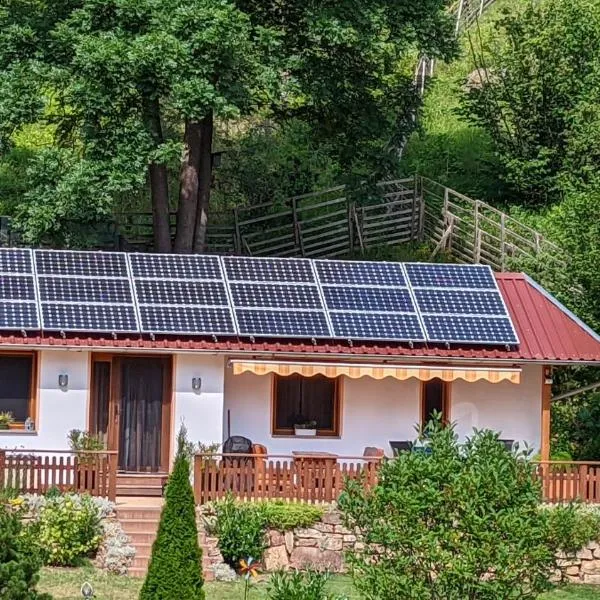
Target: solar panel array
<point>114,292</point>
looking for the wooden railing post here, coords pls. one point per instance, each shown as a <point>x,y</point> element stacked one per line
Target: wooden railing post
<point>112,476</point>
<point>198,478</point>
<point>2,469</point>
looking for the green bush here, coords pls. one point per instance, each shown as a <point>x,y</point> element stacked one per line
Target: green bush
<point>241,530</point>
<point>175,571</point>
<point>572,527</point>
<point>67,530</point>
<point>20,561</point>
<point>461,522</point>
<point>285,516</point>
<point>309,585</point>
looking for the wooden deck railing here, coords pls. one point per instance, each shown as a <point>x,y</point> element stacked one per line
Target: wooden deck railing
<point>37,471</point>
<point>570,481</point>
<point>295,478</point>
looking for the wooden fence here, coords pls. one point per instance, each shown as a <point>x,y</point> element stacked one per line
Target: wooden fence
<point>321,478</point>
<point>570,481</point>
<point>297,479</point>
<point>37,471</point>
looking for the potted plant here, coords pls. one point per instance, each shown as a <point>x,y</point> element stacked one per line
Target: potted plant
<point>6,420</point>
<point>305,428</point>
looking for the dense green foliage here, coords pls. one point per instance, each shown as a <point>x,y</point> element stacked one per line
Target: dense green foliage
<point>310,585</point>
<point>572,527</point>
<point>460,523</point>
<point>67,530</point>
<point>20,561</point>
<point>175,570</point>
<point>241,526</point>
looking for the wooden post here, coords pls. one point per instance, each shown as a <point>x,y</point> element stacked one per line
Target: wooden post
<point>350,207</point>
<point>502,242</point>
<point>238,235</point>
<point>477,238</point>
<point>112,476</point>
<point>2,468</point>
<point>546,404</point>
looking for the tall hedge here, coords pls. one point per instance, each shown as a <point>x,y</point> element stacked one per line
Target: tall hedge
<point>20,560</point>
<point>175,571</point>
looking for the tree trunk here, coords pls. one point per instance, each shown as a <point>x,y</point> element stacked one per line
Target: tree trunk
<point>188,188</point>
<point>204,182</point>
<point>159,182</point>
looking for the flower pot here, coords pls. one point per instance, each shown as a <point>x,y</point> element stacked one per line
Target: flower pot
<point>301,432</point>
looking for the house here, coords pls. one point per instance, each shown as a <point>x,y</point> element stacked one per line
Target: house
<point>80,348</point>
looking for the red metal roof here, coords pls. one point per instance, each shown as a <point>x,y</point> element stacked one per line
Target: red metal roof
<point>548,333</point>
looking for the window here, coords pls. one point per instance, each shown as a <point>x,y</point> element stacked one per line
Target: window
<point>16,386</point>
<point>300,399</point>
<point>434,399</point>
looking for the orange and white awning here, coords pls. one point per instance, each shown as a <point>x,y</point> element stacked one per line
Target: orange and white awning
<point>357,370</point>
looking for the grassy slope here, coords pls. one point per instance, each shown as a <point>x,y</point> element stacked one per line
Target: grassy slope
<point>447,147</point>
<point>64,584</point>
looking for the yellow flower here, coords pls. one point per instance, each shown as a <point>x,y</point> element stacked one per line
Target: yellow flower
<point>16,501</point>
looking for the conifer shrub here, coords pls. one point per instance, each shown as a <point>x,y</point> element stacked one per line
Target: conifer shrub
<point>19,560</point>
<point>175,570</point>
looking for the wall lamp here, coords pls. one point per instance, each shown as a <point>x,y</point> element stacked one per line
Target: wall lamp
<point>63,380</point>
<point>196,383</point>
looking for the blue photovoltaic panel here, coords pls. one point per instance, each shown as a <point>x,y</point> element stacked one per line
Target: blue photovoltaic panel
<point>342,272</point>
<point>469,329</point>
<point>69,289</point>
<point>282,323</point>
<point>460,302</point>
<point>376,326</point>
<point>85,291</point>
<point>205,293</point>
<point>81,264</point>
<point>368,299</point>
<point>278,270</point>
<point>118,318</point>
<point>450,276</point>
<point>181,294</point>
<point>18,301</point>
<point>175,266</point>
<point>269,295</point>
<point>190,320</point>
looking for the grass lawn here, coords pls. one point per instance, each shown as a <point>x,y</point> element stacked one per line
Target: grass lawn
<point>64,584</point>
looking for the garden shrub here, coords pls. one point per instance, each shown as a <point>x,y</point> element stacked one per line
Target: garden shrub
<point>294,585</point>
<point>175,570</point>
<point>572,526</point>
<point>460,522</point>
<point>20,561</point>
<point>241,531</point>
<point>285,516</point>
<point>68,529</point>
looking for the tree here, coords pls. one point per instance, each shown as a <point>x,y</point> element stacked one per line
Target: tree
<point>461,522</point>
<point>538,95</point>
<point>175,570</point>
<point>137,86</point>
<point>19,560</point>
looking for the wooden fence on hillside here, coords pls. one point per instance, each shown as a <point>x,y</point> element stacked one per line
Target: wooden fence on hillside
<point>38,471</point>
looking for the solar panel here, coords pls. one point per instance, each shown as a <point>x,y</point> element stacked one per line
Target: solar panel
<point>360,273</point>
<point>85,291</point>
<point>450,276</point>
<point>275,297</point>
<point>181,294</point>
<point>368,301</point>
<point>469,329</point>
<point>460,304</point>
<point>271,323</point>
<point>377,326</point>
<point>18,300</point>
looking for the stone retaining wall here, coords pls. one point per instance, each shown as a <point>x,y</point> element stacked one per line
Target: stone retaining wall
<point>323,545</point>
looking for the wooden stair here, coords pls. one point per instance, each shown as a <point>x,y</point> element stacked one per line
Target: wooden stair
<point>141,484</point>
<point>141,525</point>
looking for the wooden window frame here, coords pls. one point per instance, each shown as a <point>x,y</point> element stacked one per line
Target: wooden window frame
<point>32,407</point>
<point>446,404</point>
<point>289,432</point>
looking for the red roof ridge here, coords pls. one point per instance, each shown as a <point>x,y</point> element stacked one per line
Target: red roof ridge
<point>510,275</point>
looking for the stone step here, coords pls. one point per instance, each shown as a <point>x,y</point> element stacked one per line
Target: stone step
<point>153,491</point>
<point>139,525</point>
<point>141,484</point>
<point>137,571</point>
<point>128,514</point>
<point>141,537</point>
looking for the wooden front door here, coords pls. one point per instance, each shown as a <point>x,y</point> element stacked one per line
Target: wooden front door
<point>131,409</point>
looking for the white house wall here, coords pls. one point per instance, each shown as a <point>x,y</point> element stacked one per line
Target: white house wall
<point>59,410</point>
<point>377,411</point>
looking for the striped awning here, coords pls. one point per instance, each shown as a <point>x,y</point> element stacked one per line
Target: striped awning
<point>355,371</point>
